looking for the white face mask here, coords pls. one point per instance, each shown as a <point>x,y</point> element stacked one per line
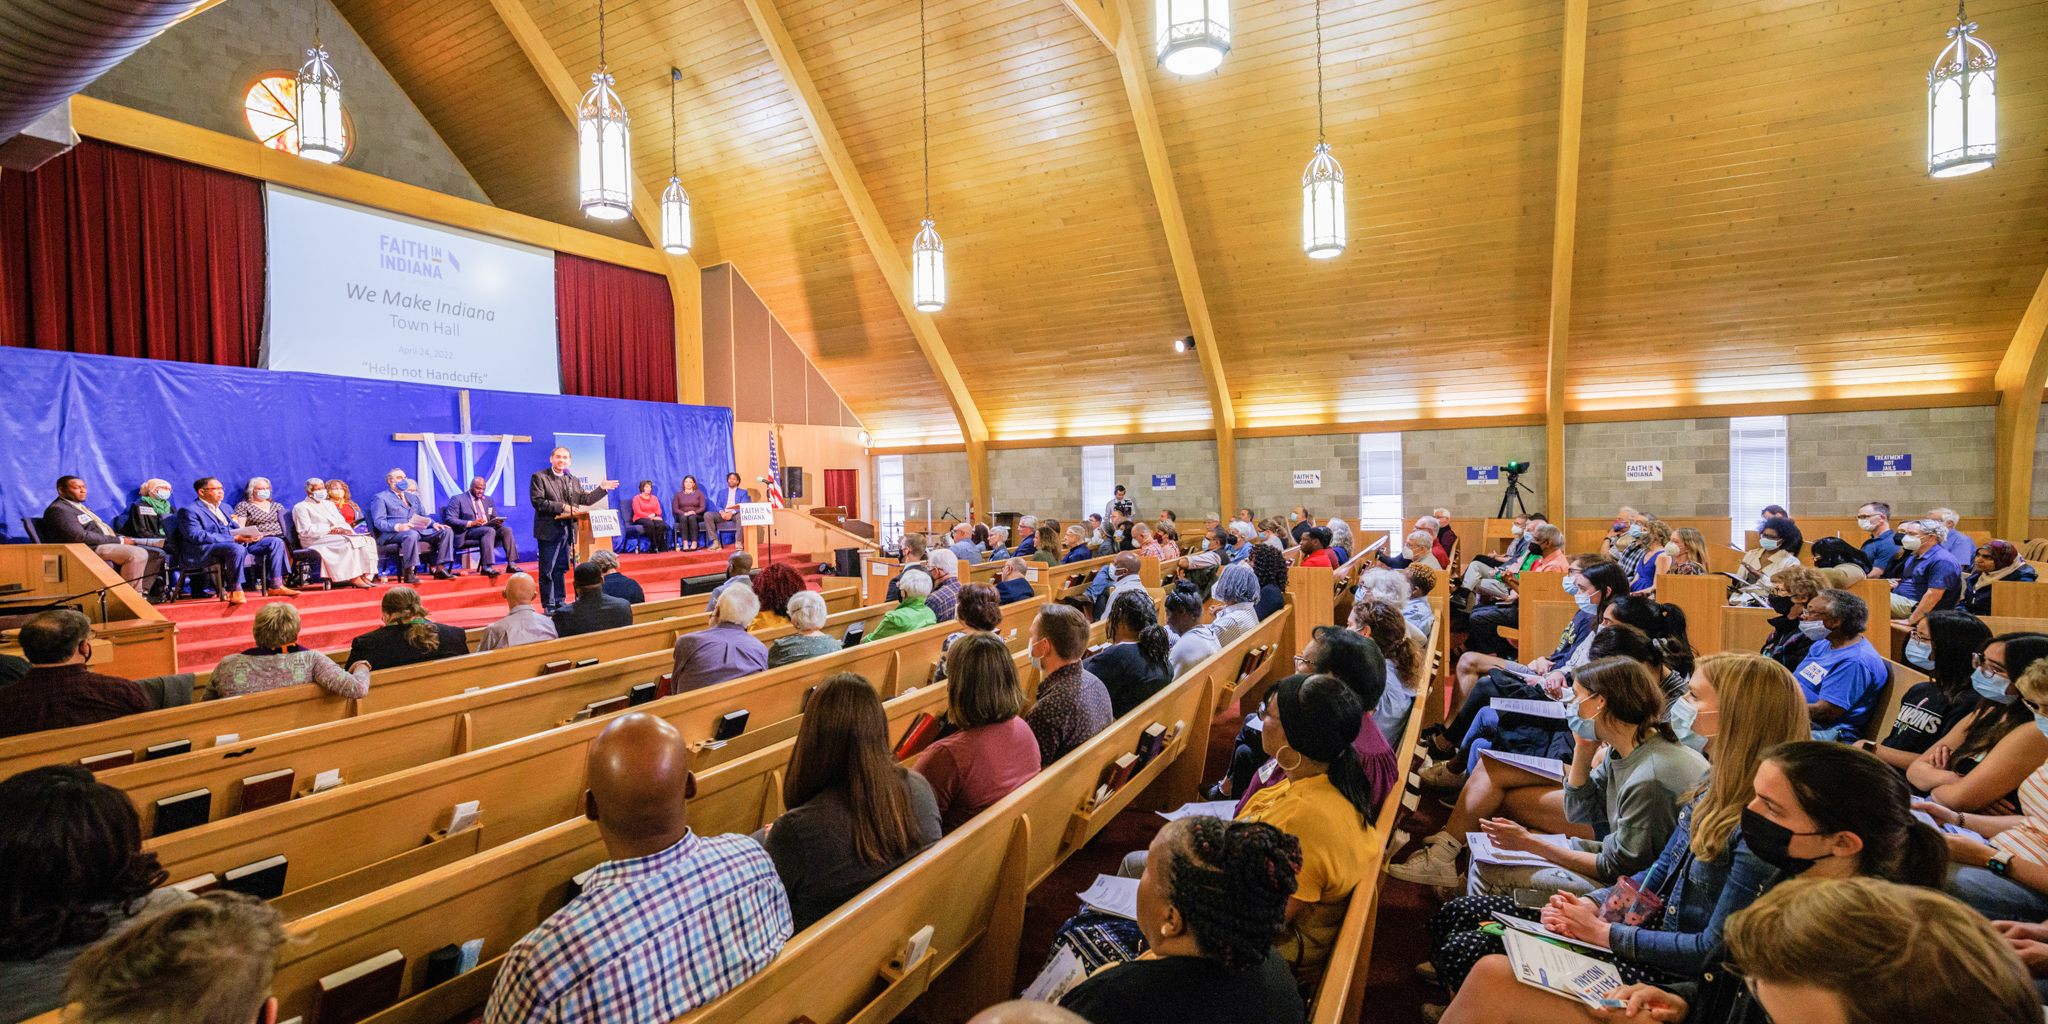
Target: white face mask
<point>1674,549</point>
<point>162,493</point>
<point>1866,524</point>
<point>1768,543</point>
<point>263,494</point>
<point>1910,542</point>
<point>1516,530</point>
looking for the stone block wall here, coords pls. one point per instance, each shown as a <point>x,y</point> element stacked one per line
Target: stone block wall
<point>1433,468</point>
<point>1952,454</point>
<point>1265,474</point>
<point>1193,466</point>
<point>940,476</point>
<point>1036,481</point>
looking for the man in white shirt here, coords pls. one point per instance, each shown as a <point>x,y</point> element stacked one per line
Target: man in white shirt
<point>523,622</point>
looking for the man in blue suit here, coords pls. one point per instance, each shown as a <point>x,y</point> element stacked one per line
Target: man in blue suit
<point>404,528</point>
<point>472,513</point>
<point>211,535</point>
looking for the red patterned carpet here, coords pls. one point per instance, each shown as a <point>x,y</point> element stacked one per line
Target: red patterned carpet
<point>209,630</point>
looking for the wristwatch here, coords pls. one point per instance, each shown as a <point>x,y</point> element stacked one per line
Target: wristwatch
<point>2001,863</point>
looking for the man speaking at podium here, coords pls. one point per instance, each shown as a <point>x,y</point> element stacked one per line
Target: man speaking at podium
<point>556,495</point>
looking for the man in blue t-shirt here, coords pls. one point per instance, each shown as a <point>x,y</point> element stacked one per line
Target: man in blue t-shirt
<point>1875,519</point>
<point>1929,579</point>
<point>1843,676</point>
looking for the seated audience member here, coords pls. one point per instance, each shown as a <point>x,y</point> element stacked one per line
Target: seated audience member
<point>993,750</point>
<point>1136,663</point>
<point>1406,659</point>
<point>258,512</point>
<point>1072,704</point>
<point>1947,646</point>
<point>347,558</point>
<point>617,583</point>
<point>980,536</point>
<point>1194,641</point>
<point>1631,546</point>
<point>1417,610</point>
<point>58,692</point>
<point>1446,539</point>
<point>1213,895</point>
<point>1703,874</point>
<point>593,609</point>
<point>1988,752</point>
<point>407,635</point>
<point>962,544</point>
<point>998,543</point>
<point>1325,802</point>
<point>1843,675</point>
<point>1630,800</point>
<point>723,650</point>
<point>671,921</point>
<point>981,611</point>
<point>1791,589</point>
<point>277,660</point>
<point>1777,546</point>
<point>911,611</point>
<point>1210,551</point>
<point>474,521</point>
<point>1995,562</point>
<point>854,813</point>
<point>1657,557</point>
<point>688,505</point>
<point>1271,569</point>
<point>1119,577</point>
<point>405,531</point>
<point>1315,548</point>
<point>1593,582</point>
<point>1076,545</point>
<point>1246,535</point>
<point>210,537</point>
<point>1948,526</point>
<point>2006,875</point>
<point>1168,536</point>
<point>728,518</point>
<point>1045,547</point>
<point>944,600</point>
<point>1416,549</point>
<point>807,615</point>
<point>1688,548</point>
<point>1299,523</point>
<point>1027,537</point>
<point>1013,585</point>
<point>1393,586</point>
<point>205,961</point>
<point>1356,662</point>
<point>1237,587</point>
<point>775,585</point>
<point>1273,533</point>
<point>645,512</point>
<point>739,571</point>
<point>1483,631</point>
<point>524,622</point>
<point>149,518</point>
<point>76,873</point>
<point>1340,539</point>
<point>914,554</point>
<point>1827,818</point>
<point>68,520</point>
<point>1928,578</point>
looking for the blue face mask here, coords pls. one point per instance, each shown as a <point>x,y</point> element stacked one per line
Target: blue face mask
<point>1996,689</point>
<point>1683,714</point>
<point>1586,604</point>
<point>2041,723</point>
<point>1768,543</point>
<point>1638,531</point>
<point>1814,629</point>
<point>1581,727</point>
<point>1571,586</point>
<point>1919,654</point>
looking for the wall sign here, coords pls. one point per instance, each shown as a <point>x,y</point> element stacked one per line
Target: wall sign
<point>1305,479</point>
<point>1164,481</point>
<point>757,513</point>
<point>1477,475</point>
<point>1888,465</point>
<point>1644,472</point>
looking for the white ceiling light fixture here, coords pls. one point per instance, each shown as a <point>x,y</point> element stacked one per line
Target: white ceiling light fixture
<point>1184,344</point>
<point>927,252</point>
<point>1194,35</point>
<point>322,136</point>
<point>1322,183</point>
<point>675,203</point>
<point>603,139</point>
<point>1962,103</point>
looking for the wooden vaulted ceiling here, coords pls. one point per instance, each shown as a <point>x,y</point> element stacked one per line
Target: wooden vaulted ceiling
<point>1754,221</point>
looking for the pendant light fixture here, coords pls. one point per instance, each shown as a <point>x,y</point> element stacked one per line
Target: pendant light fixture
<point>927,252</point>
<point>322,137</point>
<point>1193,35</point>
<point>1962,103</point>
<point>1322,184</point>
<point>675,203</point>
<point>605,178</point>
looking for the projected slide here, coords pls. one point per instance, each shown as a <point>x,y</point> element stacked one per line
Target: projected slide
<point>360,293</point>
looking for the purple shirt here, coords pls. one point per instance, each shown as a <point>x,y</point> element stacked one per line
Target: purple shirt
<point>723,652</point>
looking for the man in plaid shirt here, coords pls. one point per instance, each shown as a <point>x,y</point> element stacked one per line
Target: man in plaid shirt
<point>673,920</point>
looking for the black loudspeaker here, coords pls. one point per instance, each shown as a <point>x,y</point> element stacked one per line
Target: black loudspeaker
<point>702,584</point>
<point>792,482</point>
<point>846,561</point>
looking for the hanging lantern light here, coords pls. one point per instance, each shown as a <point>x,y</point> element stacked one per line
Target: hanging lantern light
<point>1193,35</point>
<point>1962,104</point>
<point>322,137</point>
<point>1322,184</point>
<point>605,188</point>
<point>927,252</point>
<point>675,203</point>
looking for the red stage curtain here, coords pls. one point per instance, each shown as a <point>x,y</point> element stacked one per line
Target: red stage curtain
<point>842,488</point>
<point>618,331</point>
<point>112,251</point>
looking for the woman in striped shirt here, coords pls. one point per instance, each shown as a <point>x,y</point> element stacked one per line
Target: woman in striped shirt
<point>2005,874</point>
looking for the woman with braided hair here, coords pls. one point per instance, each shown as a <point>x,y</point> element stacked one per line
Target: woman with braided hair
<point>1213,895</point>
<point>1134,666</point>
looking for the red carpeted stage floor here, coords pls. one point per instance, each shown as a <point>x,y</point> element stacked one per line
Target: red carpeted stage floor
<point>209,630</point>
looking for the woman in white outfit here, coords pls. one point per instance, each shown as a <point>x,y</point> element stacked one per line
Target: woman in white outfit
<point>346,557</point>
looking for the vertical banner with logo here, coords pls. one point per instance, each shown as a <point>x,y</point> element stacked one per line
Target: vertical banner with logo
<point>586,461</point>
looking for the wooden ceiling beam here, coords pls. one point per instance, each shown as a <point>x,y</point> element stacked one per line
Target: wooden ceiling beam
<point>2021,376</point>
<point>1563,240</point>
<point>875,231</point>
<point>1110,21</point>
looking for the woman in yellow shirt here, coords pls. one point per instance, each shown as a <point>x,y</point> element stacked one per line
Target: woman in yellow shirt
<point>1310,723</point>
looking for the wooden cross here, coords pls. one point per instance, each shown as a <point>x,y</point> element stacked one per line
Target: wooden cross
<point>466,438</point>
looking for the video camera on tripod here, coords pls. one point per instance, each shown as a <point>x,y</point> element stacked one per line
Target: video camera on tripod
<point>1511,496</point>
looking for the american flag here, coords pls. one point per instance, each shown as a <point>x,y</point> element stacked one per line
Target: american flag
<point>774,475</point>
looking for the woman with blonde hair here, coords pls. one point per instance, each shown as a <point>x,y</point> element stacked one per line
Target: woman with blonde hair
<point>277,661</point>
<point>1688,549</point>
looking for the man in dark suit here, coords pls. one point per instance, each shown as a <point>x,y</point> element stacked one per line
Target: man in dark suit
<point>616,583</point>
<point>404,529</point>
<point>593,609</point>
<point>476,521</point>
<point>69,521</point>
<point>555,496</point>
<point>210,535</point>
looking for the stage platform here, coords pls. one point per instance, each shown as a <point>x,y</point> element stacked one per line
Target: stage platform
<point>209,630</point>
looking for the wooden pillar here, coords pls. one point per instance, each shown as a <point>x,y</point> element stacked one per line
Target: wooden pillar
<point>2021,376</point>
<point>1564,236</point>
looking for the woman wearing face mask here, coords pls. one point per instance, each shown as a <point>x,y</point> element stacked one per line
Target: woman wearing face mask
<point>1995,562</point>
<point>1791,588</point>
<point>347,558</point>
<point>1945,645</point>
<point>2005,873</point>
<point>1981,761</point>
<point>1703,874</point>
<point>258,512</point>
<point>147,520</point>
<point>1778,545</point>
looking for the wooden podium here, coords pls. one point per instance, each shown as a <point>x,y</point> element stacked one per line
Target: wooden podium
<point>585,543</point>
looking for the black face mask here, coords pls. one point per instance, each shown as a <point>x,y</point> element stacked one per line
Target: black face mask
<point>1771,842</point>
<point>1780,604</point>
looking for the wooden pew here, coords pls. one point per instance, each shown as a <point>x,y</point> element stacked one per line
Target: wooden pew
<point>1899,679</point>
<point>2020,600</point>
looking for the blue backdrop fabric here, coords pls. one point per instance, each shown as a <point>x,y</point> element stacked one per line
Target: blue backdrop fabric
<point>117,422</point>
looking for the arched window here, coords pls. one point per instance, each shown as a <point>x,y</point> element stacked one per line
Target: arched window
<point>271,108</point>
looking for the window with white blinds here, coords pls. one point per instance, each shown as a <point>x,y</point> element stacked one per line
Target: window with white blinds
<point>1098,478</point>
<point>1379,482</point>
<point>1757,471</point>
<point>889,497</point>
